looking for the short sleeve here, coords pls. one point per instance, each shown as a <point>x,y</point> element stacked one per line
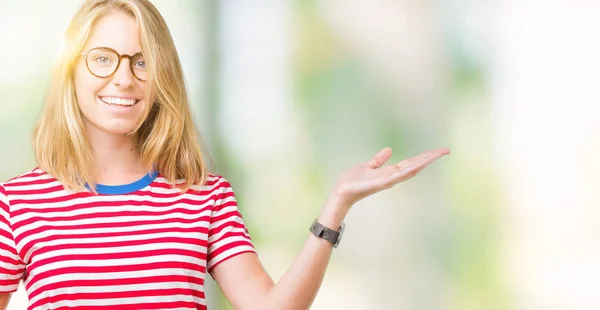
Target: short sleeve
<point>227,233</point>
<point>11,266</point>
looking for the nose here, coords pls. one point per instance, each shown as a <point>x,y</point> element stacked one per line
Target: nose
<point>123,77</point>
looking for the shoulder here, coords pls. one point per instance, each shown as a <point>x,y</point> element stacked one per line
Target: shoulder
<point>28,177</point>
<point>213,183</point>
<point>218,184</point>
<point>34,175</point>
<point>28,181</point>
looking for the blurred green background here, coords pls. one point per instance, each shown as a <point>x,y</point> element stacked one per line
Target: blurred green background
<point>288,94</point>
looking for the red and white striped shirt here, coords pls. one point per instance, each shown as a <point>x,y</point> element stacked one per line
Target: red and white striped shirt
<point>138,246</point>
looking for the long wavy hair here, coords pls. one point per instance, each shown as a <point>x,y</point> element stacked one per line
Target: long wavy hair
<point>166,137</point>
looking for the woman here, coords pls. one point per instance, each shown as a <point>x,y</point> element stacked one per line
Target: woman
<point>121,210</point>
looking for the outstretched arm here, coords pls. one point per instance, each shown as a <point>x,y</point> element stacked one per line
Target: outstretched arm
<point>243,279</point>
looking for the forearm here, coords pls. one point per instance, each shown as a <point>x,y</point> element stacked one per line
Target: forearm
<point>4,299</point>
<point>299,285</point>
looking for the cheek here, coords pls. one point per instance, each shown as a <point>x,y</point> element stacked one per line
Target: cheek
<point>86,85</point>
<point>146,101</point>
<point>141,89</point>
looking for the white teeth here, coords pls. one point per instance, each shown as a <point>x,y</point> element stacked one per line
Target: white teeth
<point>119,101</point>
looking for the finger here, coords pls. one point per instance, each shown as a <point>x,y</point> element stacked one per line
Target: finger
<point>391,175</point>
<point>424,158</point>
<point>380,158</point>
<point>432,156</point>
<point>414,165</point>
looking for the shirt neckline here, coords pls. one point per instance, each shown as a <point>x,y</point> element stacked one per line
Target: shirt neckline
<point>126,188</point>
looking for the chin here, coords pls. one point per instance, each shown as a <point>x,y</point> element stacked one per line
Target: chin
<point>122,129</point>
<point>110,128</point>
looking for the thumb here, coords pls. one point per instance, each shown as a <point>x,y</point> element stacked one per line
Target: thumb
<point>380,158</point>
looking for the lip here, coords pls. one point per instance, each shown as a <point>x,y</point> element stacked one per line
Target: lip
<point>120,97</point>
<point>118,108</point>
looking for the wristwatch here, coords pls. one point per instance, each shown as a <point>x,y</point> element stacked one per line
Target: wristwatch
<point>326,233</point>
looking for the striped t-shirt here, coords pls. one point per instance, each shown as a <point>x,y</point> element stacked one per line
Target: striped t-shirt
<point>142,245</point>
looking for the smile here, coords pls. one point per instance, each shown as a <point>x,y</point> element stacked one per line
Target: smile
<point>117,101</point>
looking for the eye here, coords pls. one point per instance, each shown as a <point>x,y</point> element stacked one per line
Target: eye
<point>102,60</point>
<point>140,64</point>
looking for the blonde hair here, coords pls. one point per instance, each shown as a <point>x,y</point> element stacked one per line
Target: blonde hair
<point>166,137</point>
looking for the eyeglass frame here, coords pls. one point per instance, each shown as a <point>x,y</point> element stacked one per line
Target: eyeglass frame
<point>119,56</point>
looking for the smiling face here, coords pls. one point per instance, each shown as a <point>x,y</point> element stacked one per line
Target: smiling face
<point>113,105</point>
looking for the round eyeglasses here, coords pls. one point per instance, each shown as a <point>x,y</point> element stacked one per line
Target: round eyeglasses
<point>103,62</point>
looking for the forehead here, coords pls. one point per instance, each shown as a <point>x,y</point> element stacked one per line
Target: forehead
<point>116,30</point>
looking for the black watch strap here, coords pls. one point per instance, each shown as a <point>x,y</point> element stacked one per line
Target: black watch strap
<point>333,236</point>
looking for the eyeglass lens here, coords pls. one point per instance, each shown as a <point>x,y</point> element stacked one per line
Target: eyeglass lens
<point>104,62</point>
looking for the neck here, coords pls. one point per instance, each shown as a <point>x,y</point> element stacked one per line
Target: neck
<point>116,157</point>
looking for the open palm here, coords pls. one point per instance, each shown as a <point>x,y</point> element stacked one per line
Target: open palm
<point>371,177</point>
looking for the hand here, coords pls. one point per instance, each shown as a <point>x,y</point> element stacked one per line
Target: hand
<point>370,177</point>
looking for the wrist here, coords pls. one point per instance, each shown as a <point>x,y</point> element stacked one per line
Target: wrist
<point>334,212</point>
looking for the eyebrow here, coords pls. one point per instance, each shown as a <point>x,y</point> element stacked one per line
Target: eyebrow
<point>110,48</point>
